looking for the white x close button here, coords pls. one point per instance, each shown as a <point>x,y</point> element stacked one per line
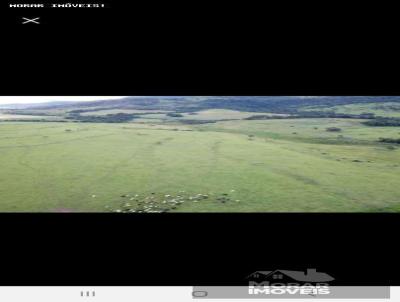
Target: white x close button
<point>33,20</point>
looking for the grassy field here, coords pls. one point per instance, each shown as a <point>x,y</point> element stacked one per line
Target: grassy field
<point>221,114</point>
<point>161,115</point>
<point>114,111</point>
<point>228,166</point>
<point>308,130</point>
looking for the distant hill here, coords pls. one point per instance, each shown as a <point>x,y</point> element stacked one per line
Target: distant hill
<point>276,104</point>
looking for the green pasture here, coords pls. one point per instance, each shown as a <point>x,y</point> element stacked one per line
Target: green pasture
<point>234,166</point>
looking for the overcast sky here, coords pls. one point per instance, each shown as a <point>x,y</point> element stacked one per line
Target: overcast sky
<point>43,99</point>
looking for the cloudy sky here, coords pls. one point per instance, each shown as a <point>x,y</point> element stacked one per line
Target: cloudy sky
<point>43,99</point>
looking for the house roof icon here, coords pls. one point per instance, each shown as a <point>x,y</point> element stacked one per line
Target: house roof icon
<point>311,275</point>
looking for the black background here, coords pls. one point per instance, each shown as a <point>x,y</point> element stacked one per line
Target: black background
<point>195,249</point>
<point>200,50</point>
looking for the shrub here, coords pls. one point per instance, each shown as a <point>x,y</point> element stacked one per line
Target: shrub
<point>383,122</point>
<point>333,129</point>
<point>173,114</point>
<point>389,140</point>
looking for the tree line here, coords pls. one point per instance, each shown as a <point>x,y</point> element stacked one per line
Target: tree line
<point>383,122</point>
<point>109,118</point>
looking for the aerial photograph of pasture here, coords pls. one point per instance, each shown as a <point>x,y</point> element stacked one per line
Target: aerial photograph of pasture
<point>202,154</point>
